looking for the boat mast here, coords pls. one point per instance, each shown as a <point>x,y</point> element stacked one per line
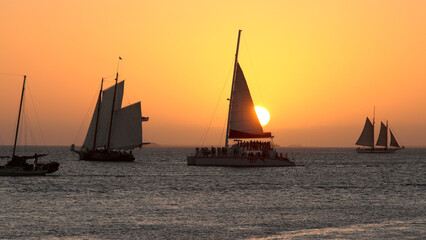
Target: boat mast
<point>19,117</point>
<point>97,114</point>
<point>232,89</point>
<point>112,111</point>
<point>113,103</point>
<point>387,135</point>
<point>374,122</point>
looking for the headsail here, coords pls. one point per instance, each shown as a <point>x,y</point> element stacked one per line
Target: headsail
<point>393,141</point>
<point>367,135</point>
<point>243,119</point>
<point>383,136</point>
<point>127,127</point>
<point>104,117</point>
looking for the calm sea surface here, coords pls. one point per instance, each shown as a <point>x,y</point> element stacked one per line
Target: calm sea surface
<point>338,194</point>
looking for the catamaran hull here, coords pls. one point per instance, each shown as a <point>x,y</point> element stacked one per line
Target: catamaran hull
<point>239,162</point>
<point>376,150</point>
<point>106,156</point>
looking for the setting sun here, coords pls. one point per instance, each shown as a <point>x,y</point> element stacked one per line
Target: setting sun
<point>262,114</point>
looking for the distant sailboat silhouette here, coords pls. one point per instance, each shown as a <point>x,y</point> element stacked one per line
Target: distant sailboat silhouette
<point>18,165</point>
<point>367,139</point>
<point>113,129</point>
<point>243,123</point>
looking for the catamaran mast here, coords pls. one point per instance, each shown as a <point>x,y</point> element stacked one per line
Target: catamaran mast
<point>19,117</point>
<point>97,114</point>
<point>232,89</point>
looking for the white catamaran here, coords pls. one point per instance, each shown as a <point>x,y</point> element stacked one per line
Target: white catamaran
<point>367,139</point>
<point>113,129</point>
<point>18,165</point>
<point>243,123</point>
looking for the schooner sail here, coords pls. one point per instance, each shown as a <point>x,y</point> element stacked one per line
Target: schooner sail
<point>113,128</point>
<point>243,123</point>
<point>367,135</point>
<point>367,139</point>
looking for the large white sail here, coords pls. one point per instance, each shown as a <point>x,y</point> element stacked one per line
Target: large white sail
<point>127,127</point>
<point>393,141</point>
<point>243,119</point>
<point>367,135</point>
<point>104,116</point>
<point>383,136</point>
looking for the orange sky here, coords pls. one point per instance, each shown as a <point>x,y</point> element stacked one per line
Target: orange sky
<point>319,67</point>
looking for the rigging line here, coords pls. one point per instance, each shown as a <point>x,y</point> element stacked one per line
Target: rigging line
<point>214,112</point>
<point>12,74</point>
<point>255,74</point>
<point>36,115</point>
<point>223,130</point>
<point>85,116</point>
<point>109,76</point>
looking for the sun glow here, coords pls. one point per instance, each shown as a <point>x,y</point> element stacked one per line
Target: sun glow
<point>262,114</point>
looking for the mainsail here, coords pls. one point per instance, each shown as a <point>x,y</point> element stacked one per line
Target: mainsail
<point>127,127</point>
<point>367,135</point>
<point>244,122</point>
<point>383,136</point>
<point>393,141</point>
<point>104,117</point>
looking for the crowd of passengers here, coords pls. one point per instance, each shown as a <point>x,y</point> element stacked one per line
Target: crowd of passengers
<point>262,149</point>
<point>254,145</point>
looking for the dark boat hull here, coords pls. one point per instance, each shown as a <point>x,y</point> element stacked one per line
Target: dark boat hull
<point>101,156</point>
<point>40,169</point>
<point>239,162</point>
<point>377,150</point>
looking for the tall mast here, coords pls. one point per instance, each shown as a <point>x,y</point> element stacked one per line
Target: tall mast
<point>112,111</point>
<point>232,89</point>
<point>19,117</point>
<point>374,122</point>
<point>387,135</point>
<point>97,114</point>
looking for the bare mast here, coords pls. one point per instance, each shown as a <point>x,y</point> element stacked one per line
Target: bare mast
<point>19,117</point>
<point>97,114</point>
<point>232,89</point>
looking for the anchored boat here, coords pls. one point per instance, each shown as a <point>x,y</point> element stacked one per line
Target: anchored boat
<point>18,165</point>
<point>114,131</point>
<point>243,124</point>
<point>367,139</point>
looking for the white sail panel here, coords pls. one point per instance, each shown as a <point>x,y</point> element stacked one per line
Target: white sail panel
<point>393,141</point>
<point>127,127</point>
<point>104,116</point>
<point>367,135</point>
<point>244,122</point>
<point>383,136</point>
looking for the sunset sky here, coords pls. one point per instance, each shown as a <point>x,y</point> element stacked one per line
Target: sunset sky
<point>319,67</point>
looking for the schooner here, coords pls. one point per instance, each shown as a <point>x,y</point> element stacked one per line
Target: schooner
<point>367,139</point>
<point>114,130</point>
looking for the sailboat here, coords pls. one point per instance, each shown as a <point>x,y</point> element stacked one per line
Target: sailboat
<point>243,124</point>
<point>367,139</point>
<point>18,165</point>
<point>114,131</point>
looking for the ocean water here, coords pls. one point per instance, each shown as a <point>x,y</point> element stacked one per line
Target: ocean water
<point>337,194</point>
